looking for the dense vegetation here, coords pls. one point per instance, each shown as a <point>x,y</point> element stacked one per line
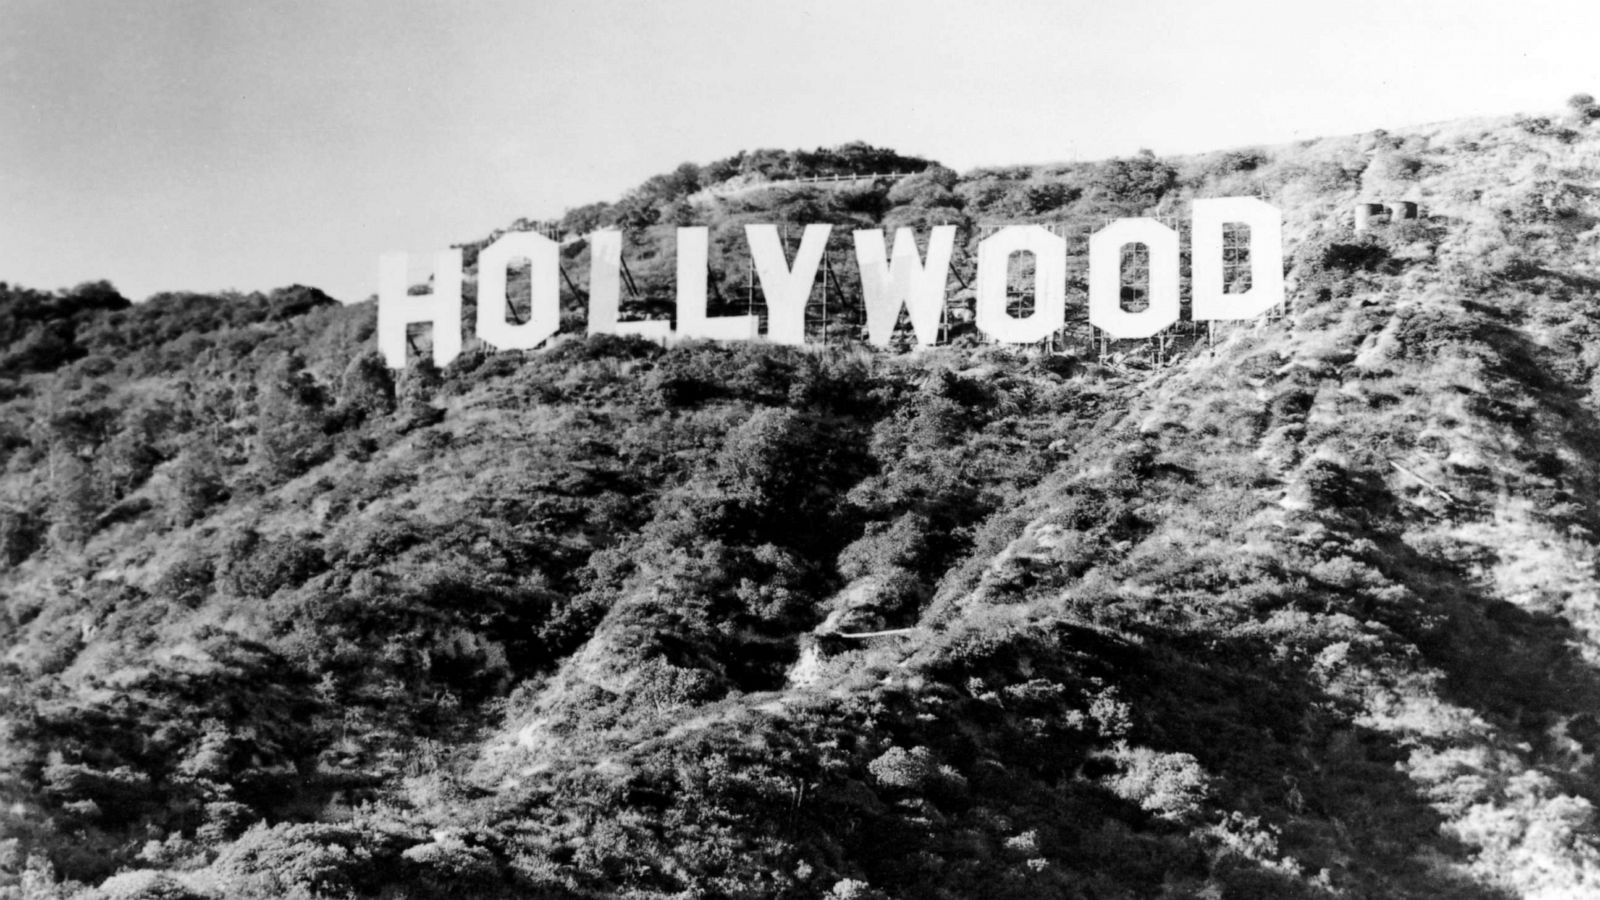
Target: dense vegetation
<point>1310,613</point>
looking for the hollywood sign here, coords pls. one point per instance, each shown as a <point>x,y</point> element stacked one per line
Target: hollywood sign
<point>904,281</point>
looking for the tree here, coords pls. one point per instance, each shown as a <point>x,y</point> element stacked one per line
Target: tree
<point>1139,180</point>
<point>367,388</point>
<point>634,213</point>
<point>418,383</point>
<point>75,499</point>
<point>290,436</point>
<point>929,189</point>
<point>197,484</point>
<point>134,451</point>
<point>21,534</point>
<point>584,219</point>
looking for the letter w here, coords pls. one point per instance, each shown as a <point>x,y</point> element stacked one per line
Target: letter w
<point>904,281</point>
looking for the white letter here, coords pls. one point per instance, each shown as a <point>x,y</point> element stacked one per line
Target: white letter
<point>1049,284</point>
<point>692,319</point>
<point>605,290</point>
<point>441,309</point>
<point>1105,278</point>
<point>544,313</point>
<point>1266,258</point>
<point>904,281</point>
<point>787,290</point>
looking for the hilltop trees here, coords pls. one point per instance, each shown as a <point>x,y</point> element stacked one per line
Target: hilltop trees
<point>1138,181</point>
<point>40,330</point>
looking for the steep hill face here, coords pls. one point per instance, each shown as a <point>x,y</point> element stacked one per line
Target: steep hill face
<point>1305,609</point>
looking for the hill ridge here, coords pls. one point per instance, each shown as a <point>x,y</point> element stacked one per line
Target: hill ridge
<point>1309,613</point>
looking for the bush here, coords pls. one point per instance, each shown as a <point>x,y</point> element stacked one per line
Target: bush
<point>1423,332</point>
<point>259,568</point>
<point>112,795</point>
<point>1138,181</point>
<point>326,859</point>
<point>1325,265</point>
<point>186,582</point>
<point>902,769</point>
<point>419,382</point>
<point>21,533</point>
<point>144,885</point>
<point>851,889</point>
<point>1543,126</point>
<point>928,189</point>
<point>450,864</point>
<point>1218,166</point>
<point>75,500</point>
<point>1583,107</point>
<point>290,426</point>
<point>1049,196</point>
<point>1394,167</point>
<point>366,389</point>
<point>196,484</point>
<point>582,220</point>
<point>1171,785</point>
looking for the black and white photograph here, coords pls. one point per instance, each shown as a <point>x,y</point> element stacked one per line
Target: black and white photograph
<point>813,450</point>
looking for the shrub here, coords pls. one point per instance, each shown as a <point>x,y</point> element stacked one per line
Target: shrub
<point>131,454</point>
<point>1422,332</point>
<point>904,769</point>
<point>1394,167</point>
<point>450,864</point>
<point>851,889</point>
<point>114,795</point>
<point>196,484</point>
<point>1221,165</point>
<point>366,389</point>
<point>1048,196</point>
<point>21,533</point>
<point>1330,486</point>
<point>1171,785</point>
<point>259,568</point>
<point>1340,256</point>
<point>144,885</point>
<point>290,428</point>
<point>225,820</point>
<point>584,219</point>
<point>1139,180</point>
<point>419,383</point>
<point>75,500</point>
<point>1583,107</point>
<point>326,859</point>
<point>186,582</point>
<point>1542,126</point>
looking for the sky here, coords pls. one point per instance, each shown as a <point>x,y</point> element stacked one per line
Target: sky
<point>248,145</point>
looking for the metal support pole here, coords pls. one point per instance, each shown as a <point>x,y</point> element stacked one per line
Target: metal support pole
<point>627,278</point>
<point>825,271</point>
<point>570,284</point>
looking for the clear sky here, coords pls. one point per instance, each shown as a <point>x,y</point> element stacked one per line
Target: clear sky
<point>210,145</point>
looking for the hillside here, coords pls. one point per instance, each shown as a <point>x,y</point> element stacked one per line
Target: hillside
<point>1305,608</point>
